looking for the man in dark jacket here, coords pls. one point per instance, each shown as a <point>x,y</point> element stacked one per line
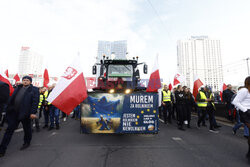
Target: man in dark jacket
<point>227,96</point>
<point>4,96</point>
<point>22,108</point>
<point>180,101</point>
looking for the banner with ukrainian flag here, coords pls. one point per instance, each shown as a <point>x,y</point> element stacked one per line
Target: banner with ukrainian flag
<point>120,113</point>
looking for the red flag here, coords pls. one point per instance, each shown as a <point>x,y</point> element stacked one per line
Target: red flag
<point>6,72</point>
<point>154,81</point>
<point>16,77</point>
<point>178,78</point>
<point>170,87</point>
<point>71,90</point>
<point>3,79</point>
<point>197,85</point>
<point>45,78</point>
<point>222,88</point>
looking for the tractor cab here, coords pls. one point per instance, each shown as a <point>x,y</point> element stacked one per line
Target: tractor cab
<point>118,75</point>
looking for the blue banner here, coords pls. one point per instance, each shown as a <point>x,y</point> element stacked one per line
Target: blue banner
<point>120,113</point>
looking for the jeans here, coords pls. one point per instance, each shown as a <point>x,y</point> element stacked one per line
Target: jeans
<point>239,124</point>
<point>54,115</point>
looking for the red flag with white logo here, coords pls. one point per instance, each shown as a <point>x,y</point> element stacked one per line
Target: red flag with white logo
<point>197,85</point>
<point>178,78</point>
<point>154,81</point>
<point>17,78</point>
<point>4,79</point>
<point>70,90</point>
<point>222,88</point>
<point>45,78</point>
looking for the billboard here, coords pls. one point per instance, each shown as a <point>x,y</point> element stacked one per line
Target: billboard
<point>120,113</point>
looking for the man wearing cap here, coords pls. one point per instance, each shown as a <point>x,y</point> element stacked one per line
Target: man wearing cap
<point>22,107</point>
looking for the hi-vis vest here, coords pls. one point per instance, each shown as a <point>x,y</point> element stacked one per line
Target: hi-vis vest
<point>46,95</point>
<point>211,96</point>
<point>166,95</point>
<point>203,97</point>
<point>40,101</point>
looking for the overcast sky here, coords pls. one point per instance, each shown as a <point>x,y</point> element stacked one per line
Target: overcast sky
<point>59,29</point>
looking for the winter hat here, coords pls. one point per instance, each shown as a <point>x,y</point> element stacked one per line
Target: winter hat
<point>27,77</point>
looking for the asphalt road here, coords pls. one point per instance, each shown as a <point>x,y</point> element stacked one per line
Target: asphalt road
<point>170,148</point>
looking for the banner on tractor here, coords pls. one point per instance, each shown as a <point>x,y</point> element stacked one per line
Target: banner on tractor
<point>120,113</point>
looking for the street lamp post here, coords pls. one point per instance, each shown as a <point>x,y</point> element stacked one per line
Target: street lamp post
<point>247,66</point>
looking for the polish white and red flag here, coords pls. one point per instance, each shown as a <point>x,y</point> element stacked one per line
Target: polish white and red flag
<point>197,85</point>
<point>70,90</point>
<point>178,78</point>
<point>222,88</point>
<point>154,81</point>
<point>4,78</point>
<point>45,78</point>
<point>16,78</point>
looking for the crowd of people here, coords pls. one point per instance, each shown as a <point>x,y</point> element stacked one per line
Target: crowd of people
<point>179,104</point>
<point>27,105</point>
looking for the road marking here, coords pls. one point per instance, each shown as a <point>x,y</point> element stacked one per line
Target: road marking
<point>52,134</point>
<point>19,130</point>
<point>177,138</point>
<point>161,120</point>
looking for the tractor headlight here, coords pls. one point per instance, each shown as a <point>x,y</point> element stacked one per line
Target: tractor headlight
<point>112,91</point>
<point>127,91</point>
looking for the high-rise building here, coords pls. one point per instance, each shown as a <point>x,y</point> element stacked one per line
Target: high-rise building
<point>30,62</point>
<point>108,48</point>
<point>118,48</point>
<point>200,56</point>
